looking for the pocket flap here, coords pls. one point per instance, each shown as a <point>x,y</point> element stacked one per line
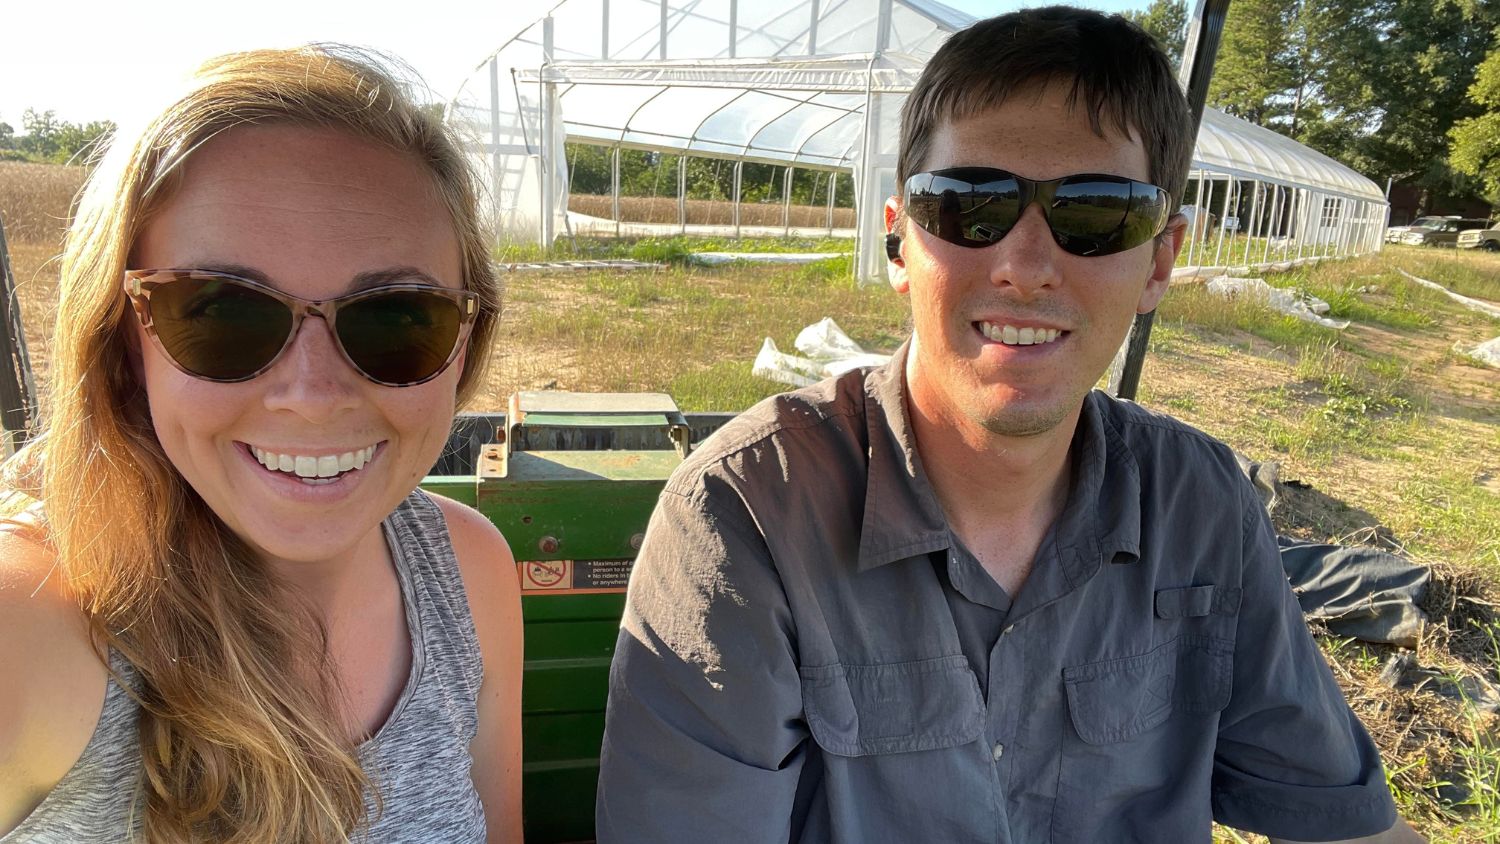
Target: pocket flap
<point>900,707</point>
<point>1197,601</point>
<point>1118,699</point>
<point>1187,602</point>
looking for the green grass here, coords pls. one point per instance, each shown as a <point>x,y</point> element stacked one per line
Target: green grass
<point>693,331</point>
<point>1469,272</point>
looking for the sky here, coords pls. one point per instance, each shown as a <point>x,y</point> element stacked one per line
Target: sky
<point>112,59</point>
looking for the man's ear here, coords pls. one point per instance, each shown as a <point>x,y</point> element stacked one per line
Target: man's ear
<point>895,267</point>
<point>1163,259</point>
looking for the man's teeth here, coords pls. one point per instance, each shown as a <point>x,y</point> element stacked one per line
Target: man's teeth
<point>1013,336</point>
<point>321,466</point>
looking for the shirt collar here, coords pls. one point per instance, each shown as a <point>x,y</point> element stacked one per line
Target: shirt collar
<point>902,517</point>
<point>1101,521</point>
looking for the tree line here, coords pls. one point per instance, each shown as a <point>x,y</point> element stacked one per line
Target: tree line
<point>1401,90</point>
<point>44,138</point>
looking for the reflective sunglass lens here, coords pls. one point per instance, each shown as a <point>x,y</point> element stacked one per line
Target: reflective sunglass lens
<point>968,214</point>
<point>400,337</point>
<point>1090,218</point>
<point>218,328</point>
<point>1088,215</point>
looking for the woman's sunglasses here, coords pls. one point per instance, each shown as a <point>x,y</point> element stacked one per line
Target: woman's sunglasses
<point>220,327</point>
<point>1090,214</point>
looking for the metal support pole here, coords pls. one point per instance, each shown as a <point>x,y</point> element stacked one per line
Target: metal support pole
<point>786,202</point>
<point>1254,221</point>
<point>604,28</point>
<point>1223,217</point>
<point>1302,203</point>
<point>682,192</point>
<point>1205,30</point>
<point>833,181</point>
<point>547,94</point>
<point>661,47</point>
<point>17,392</point>
<point>739,173</point>
<point>614,187</point>
<point>812,29</point>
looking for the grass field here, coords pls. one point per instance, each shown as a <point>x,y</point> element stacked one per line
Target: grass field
<point>1393,435</point>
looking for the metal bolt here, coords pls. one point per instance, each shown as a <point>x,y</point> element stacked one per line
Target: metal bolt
<point>548,544</point>
<point>636,540</point>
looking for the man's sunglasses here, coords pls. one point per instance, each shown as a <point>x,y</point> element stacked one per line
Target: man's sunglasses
<point>220,327</point>
<point>1089,214</point>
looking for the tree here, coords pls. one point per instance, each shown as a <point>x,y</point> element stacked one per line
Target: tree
<point>1433,49</point>
<point>1375,84</point>
<point>1166,21</point>
<point>7,135</point>
<point>1476,140</point>
<point>1256,64</point>
<point>75,142</point>
<point>41,133</point>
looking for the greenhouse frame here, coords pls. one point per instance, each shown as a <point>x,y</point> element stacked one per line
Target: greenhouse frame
<point>819,84</point>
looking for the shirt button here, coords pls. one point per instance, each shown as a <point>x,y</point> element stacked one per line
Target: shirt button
<point>1006,631</point>
<point>999,751</point>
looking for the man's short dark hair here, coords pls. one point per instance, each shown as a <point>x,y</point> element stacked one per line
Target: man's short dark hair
<point>1116,71</point>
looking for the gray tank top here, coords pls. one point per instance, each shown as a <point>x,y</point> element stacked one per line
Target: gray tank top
<point>419,760</point>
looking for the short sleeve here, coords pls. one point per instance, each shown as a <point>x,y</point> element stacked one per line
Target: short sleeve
<point>704,735</point>
<point>1292,760</point>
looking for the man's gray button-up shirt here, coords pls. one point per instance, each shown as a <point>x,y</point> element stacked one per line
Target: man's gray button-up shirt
<point>808,653</point>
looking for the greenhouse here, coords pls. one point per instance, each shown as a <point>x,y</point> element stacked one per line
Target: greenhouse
<point>818,85</point>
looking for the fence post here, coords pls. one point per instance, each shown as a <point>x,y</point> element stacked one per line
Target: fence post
<point>17,392</point>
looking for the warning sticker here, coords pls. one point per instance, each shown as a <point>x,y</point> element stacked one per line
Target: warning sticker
<point>574,577</point>
<point>546,574</point>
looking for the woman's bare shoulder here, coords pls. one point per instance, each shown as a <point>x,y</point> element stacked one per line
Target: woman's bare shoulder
<point>53,685</point>
<point>489,573</point>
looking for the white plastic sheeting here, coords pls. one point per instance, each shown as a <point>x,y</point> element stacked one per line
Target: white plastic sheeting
<point>1301,305</point>
<point>813,84</point>
<point>826,350</point>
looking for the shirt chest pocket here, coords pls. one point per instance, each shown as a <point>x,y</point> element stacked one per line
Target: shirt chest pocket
<point>1143,726</point>
<point>1118,699</point>
<point>901,755</point>
<point>902,707</point>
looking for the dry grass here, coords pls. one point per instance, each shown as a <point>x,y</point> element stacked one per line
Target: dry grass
<point>35,200</point>
<point>663,209</point>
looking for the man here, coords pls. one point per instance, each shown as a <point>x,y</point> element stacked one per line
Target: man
<point>961,597</point>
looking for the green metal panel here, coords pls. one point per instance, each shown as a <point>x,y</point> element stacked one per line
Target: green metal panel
<point>589,507</point>
<point>461,488</point>
<point>568,511</point>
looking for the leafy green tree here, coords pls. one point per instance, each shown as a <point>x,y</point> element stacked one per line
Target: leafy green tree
<point>78,142</point>
<point>41,128</point>
<point>1257,61</point>
<point>1476,140</point>
<point>1166,21</point>
<point>1432,50</point>
<point>7,135</point>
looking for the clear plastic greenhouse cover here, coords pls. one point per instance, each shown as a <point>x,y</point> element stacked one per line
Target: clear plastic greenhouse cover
<point>811,83</point>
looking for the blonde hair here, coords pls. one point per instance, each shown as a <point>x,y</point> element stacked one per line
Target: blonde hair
<point>240,733</point>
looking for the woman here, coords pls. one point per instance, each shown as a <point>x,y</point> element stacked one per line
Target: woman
<point>225,615</point>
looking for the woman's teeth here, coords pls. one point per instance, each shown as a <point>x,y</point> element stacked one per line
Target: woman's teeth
<point>314,468</point>
<point>1013,336</point>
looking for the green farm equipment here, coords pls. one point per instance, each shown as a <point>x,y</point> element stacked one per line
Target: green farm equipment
<point>570,479</point>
